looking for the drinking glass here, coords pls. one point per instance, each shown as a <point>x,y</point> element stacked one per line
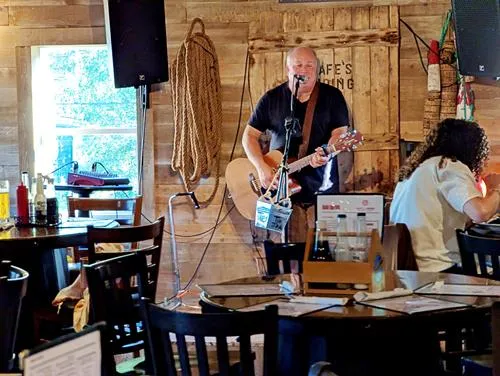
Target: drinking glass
<point>4,201</point>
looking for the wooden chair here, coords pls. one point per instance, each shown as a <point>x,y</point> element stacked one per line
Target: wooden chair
<point>285,253</point>
<point>84,205</point>
<point>486,250</point>
<point>116,291</point>
<point>161,323</point>
<point>398,250</point>
<point>151,233</point>
<point>126,211</point>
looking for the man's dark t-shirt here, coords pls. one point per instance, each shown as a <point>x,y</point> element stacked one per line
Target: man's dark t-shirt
<point>330,113</point>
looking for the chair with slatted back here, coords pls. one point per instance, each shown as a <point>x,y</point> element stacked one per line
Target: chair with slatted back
<point>116,289</point>
<point>486,250</point>
<point>149,238</point>
<point>164,325</point>
<point>126,211</point>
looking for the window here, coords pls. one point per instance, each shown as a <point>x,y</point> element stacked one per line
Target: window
<point>78,115</point>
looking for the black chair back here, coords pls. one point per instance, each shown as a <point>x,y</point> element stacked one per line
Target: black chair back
<point>150,233</point>
<point>115,288</point>
<point>485,250</point>
<point>286,253</point>
<point>162,322</point>
<point>12,291</point>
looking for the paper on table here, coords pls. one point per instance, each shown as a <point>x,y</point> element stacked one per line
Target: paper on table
<point>320,300</point>
<point>413,304</point>
<point>288,307</point>
<point>79,357</point>
<point>440,288</point>
<point>363,296</point>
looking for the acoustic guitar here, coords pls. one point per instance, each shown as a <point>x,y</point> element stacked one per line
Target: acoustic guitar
<point>243,182</point>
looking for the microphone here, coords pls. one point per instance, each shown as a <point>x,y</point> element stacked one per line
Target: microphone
<point>300,77</point>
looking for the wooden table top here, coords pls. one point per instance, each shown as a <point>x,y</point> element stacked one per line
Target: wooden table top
<point>66,234</point>
<point>404,279</point>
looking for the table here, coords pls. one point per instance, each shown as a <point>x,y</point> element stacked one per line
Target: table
<point>86,190</point>
<point>35,249</point>
<point>361,340</point>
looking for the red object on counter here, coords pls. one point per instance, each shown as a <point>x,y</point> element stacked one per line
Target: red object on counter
<point>22,204</point>
<point>433,54</point>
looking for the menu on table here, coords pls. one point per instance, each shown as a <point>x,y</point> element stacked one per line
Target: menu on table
<point>440,288</point>
<point>413,304</point>
<point>287,307</point>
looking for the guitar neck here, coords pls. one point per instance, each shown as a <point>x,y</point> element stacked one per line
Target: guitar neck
<point>303,162</point>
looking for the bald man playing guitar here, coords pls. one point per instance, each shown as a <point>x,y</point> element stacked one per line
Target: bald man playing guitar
<point>324,107</point>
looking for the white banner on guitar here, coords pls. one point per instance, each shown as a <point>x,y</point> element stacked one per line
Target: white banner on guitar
<point>270,216</point>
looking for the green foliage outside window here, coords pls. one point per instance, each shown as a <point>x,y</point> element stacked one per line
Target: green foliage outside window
<point>86,100</point>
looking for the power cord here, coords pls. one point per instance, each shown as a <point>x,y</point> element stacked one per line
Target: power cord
<point>74,163</point>
<point>199,233</point>
<point>95,164</point>
<point>419,38</point>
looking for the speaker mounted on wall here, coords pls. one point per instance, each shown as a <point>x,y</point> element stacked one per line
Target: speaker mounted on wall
<point>136,37</point>
<point>477,32</point>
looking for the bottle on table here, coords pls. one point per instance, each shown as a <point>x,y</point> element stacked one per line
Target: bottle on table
<point>342,253</point>
<point>31,199</point>
<point>342,246</point>
<point>360,249</point>
<point>52,206</point>
<point>22,204</point>
<point>25,178</point>
<point>321,250</point>
<point>40,202</point>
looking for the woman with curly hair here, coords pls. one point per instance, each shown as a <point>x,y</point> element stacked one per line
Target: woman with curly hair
<point>436,192</point>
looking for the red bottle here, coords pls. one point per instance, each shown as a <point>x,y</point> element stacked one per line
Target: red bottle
<point>22,204</point>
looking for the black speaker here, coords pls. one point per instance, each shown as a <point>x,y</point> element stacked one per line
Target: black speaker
<point>477,32</point>
<point>136,37</point>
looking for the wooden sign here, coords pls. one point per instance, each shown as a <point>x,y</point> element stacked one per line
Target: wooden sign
<point>358,53</point>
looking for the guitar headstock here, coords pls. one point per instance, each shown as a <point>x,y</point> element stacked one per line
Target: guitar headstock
<point>349,141</point>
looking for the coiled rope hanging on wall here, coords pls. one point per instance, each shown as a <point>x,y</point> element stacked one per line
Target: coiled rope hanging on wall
<point>197,107</point>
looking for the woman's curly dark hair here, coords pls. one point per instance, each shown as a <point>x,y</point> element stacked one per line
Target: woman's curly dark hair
<point>456,139</point>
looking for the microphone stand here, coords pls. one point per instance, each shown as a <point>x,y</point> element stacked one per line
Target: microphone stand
<point>290,123</point>
<point>176,299</point>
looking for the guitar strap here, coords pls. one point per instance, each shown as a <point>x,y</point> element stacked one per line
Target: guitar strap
<point>308,118</point>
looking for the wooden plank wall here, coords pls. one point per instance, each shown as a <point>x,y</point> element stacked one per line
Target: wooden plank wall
<point>358,52</point>
<point>228,23</point>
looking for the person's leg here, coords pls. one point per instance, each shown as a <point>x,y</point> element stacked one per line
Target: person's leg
<point>297,229</point>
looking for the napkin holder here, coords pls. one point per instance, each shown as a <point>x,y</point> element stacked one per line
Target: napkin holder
<point>322,277</point>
